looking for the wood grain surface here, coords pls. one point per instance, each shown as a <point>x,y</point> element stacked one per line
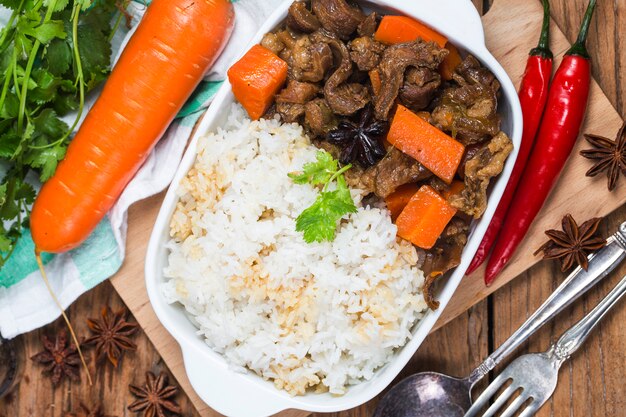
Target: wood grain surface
<point>590,385</point>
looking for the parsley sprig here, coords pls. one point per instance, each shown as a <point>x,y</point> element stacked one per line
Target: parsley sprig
<point>52,52</point>
<point>319,221</point>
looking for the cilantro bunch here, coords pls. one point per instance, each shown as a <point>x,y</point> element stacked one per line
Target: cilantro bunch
<point>52,52</point>
<point>319,221</point>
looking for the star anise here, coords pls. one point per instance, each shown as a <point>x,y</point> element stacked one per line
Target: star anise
<point>154,397</point>
<point>84,411</point>
<point>59,358</point>
<point>610,156</point>
<point>573,244</point>
<point>111,335</point>
<point>362,141</point>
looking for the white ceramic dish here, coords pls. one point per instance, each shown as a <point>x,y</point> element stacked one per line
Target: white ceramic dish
<point>247,395</point>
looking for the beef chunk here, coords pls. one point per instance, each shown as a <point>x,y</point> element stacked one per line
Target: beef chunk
<point>487,163</point>
<point>366,52</point>
<point>394,63</point>
<point>369,25</point>
<point>338,17</point>
<point>446,254</point>
<point>301,18</point>
<point>297,92</point>
<point>468,109</point>
<point>394,170</point>
<point>318,117</point>
<point>310,60</point>
<point>420,86</point>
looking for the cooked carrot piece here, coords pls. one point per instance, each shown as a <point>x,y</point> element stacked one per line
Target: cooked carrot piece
<point>256,78</point>
<point>399,29</point>
<point>450,62</point>
<point>375,80</point>
<point>424,218</point>
<point>397,200</point>
<point>430,146</point>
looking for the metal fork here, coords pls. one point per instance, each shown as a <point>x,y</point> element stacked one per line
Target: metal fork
<point>536,374</point>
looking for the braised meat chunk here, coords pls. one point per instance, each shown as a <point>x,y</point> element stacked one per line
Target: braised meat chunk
<point>468,110</point>
<point>338,17</point>
<point>310,60</point>
<point>420,86</point>
<point>395,62</point>
<point>365,52</point>
<point>301,18</point>
<point>487,163</point>
<point>394,170</point>
<point>318,117</point>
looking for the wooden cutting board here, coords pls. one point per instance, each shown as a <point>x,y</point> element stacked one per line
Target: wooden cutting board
<point>511,29</point>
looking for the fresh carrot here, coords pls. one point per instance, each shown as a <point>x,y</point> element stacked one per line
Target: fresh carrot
<point>164,61</point>
<point>375,80</point>
<point>450,62</point>
<point>173,46</point>
<point>256,78</point>
<point>424,218</point>
<point>414,136</point>
<point>397,200</point>
<point>399,29</point>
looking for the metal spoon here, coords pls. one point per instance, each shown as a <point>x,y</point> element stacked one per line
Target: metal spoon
<point>431,394</point>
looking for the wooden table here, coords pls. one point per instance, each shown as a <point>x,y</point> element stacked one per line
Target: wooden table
<point>590,385</point>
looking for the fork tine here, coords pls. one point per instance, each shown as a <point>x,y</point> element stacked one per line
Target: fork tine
<point>530,410</point>
<point>515,405</point>
<point>501,400</point>
<point>483,399</point>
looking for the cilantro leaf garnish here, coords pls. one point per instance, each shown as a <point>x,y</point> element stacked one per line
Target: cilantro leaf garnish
<point>319,221</point>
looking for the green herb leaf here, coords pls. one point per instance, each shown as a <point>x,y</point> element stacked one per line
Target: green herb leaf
<point>319,221</point>
<point>60,4</point>
<point>318,172</point>
<point>46,160</point>
<point>58,56</point>
<point>9,142</point>
<point>10,4</point>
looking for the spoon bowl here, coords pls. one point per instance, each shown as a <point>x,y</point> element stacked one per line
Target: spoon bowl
<point>427,394</point>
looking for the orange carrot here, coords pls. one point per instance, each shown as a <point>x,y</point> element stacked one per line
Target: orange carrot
<point>424,218</point>
<point>399,29</point>
<point>256,78</point>
<point>430,146</point>
<point>174,45</point>
<point>375,80</point>
<point>397,200</point>
<point>450,62</point>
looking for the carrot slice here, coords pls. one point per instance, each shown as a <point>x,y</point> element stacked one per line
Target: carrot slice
<point>397,200</point>
<point>430,146</point>
<point>399,29</point>
<point>424,218</point>
<point>256,78</point>
<point>450,62</point>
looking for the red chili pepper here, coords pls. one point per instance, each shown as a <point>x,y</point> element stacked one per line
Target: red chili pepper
<point>533,93</point>
<point>565,111</point>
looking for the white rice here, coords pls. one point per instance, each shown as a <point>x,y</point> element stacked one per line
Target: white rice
<point>322,315</point>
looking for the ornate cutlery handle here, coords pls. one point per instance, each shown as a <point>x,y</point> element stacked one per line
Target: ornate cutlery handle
<point>576,336</point>
<point>576,284</point>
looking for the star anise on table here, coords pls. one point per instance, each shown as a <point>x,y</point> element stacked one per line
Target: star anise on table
<point>573,244</point>
<point>111,334</point>
<point>84,411</point>
<point>154,397</point>
<point>59,359</point>
<point>361,142</point>
<point>610,156</point>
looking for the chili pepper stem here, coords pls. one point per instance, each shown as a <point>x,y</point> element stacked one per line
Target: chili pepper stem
<point>543,47</point>
<point>579,47</point>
